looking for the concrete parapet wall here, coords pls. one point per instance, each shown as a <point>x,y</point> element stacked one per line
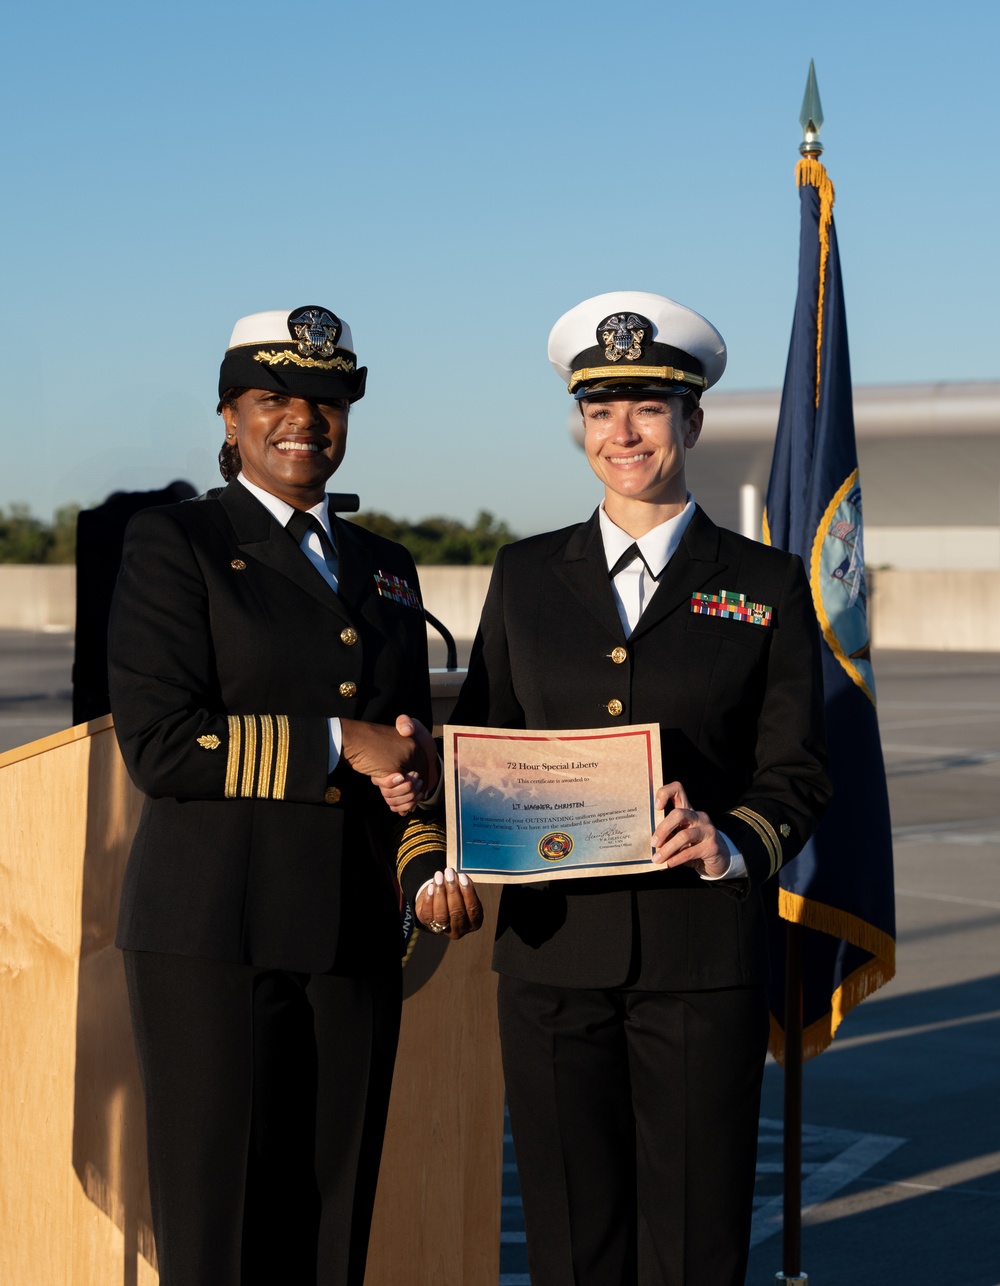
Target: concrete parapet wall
<point>37,597</point>
<point>956,611</point>
<point>40,597</point>
<point>455,595</point>
<point>936,611</point>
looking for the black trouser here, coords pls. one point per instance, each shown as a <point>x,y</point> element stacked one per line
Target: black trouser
<point>634,1117</point>
<point>266,1099</point>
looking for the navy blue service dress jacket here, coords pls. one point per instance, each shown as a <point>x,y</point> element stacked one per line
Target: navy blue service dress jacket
<point>228,652</point>
<point>739,706</point>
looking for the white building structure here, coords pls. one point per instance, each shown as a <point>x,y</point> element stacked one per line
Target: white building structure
<point>929,458</point>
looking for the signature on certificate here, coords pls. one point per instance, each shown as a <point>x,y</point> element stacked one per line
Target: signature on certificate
<point>608,833</point>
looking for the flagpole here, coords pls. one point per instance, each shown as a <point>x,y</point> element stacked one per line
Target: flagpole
<point>791,1256</point>
<point>811,120</point>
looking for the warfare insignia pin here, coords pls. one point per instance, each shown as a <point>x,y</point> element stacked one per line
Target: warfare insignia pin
<point>209,741</point>
<point>622,335</point>
<point>316,329</point>
<point>396,589</point>
<point>238,565</point>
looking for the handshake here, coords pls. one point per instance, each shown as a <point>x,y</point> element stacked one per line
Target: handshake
<point>403,763</point>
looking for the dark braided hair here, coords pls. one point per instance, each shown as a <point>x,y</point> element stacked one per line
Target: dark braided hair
<point>230,463</point>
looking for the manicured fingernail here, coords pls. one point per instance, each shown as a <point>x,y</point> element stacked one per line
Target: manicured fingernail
<point>463,879</point>
<point>449,875</point>
<point>438,877</point>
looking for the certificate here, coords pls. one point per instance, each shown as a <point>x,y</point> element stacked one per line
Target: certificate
<point>525,805</point>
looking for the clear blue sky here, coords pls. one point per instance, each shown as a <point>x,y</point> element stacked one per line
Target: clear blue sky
<point>450,178</point>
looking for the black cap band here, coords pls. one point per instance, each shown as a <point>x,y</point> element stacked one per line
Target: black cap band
<point>280,367</point>
<point>663,365</point>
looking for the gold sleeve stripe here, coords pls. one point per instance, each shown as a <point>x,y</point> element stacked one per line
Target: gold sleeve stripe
<point>762,834</point>
<point>779,856</point>
<point>281,758</point>
<point>418,830</point>
<point>233,760</point>
<point>421,833</point>
<point>763,829</point>
<point>266,754</point>
<point>404,860</point>
<point>250,775</point>
<point>418,838</point>
<point>249,755</point>
<point>428,844</point>
<point>767,834</point>
<point>770,838</point>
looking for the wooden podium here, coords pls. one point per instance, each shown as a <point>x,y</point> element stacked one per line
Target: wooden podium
<point>74,1201</point>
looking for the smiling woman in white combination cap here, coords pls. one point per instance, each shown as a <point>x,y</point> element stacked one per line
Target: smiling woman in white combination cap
<point>261,649</point>
<point>633,1013</point>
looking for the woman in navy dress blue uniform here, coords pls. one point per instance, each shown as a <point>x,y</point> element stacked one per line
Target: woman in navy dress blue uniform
<point>260,651</point>
<point>633,1014</point>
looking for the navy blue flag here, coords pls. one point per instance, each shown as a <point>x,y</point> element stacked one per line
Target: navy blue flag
<point>839,888</point>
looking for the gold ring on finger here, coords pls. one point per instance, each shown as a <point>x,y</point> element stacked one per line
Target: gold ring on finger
<point>436,926</point>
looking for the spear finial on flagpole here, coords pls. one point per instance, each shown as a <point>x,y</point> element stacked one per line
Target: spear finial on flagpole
<point>811,117</point>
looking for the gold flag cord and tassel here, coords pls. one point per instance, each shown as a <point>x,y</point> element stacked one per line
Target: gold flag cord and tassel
<point>812,173</point>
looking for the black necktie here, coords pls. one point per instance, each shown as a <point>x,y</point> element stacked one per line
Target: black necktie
<point>631,553</point>
<point>301,523</point>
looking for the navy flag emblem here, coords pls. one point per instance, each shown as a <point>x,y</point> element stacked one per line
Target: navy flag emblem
<point>316,329</point>
<point>622,335</point>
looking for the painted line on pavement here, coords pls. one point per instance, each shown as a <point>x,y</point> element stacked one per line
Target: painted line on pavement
<point>852,1042</point>
<point>827,1180</point>
<point>949,897</point>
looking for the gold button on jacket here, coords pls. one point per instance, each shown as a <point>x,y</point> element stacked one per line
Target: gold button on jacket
<point>348,689</point>
<point>331,795</point>
<point>615,707</point>
<point>619,655</point>
<point>348,636</point>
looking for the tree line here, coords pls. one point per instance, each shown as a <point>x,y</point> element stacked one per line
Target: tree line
<point>27,539</point>
<point>442,541</point>
<point>432,541</point>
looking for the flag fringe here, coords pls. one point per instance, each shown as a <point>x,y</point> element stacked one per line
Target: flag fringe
<point>812,173</point>
<point>838,924</point>
<point>863,982</point>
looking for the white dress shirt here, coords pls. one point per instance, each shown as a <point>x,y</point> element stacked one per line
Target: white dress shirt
<point>635,584</point>
<point>312,547</point>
